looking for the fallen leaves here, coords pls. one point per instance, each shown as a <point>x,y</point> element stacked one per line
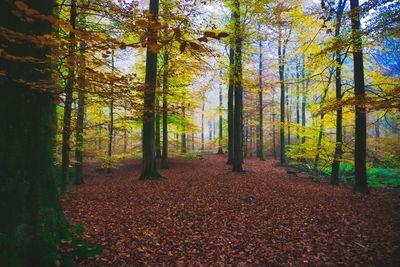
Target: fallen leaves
<point>203,214</point>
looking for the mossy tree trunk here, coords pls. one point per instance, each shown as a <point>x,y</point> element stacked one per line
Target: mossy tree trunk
<point>31,221</point>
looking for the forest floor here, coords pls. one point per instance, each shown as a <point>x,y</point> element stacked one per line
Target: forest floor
<point>205,215</point>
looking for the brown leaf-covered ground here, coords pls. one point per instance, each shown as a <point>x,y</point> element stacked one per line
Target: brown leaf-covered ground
<point>205,215</point>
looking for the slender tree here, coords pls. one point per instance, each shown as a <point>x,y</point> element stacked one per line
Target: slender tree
<point>164,156</point>
<point>158,130</point>
<point>220,151</point>
<point>111,116</point>
<point>80,116</point>
<point>202,126</point>
<point>183,134</point>
<point>339,111</point>
<point>149,170</point>
<point>66,133</point>
<point>260,146</point>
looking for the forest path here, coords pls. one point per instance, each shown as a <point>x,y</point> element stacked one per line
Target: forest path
<point>205,215</point>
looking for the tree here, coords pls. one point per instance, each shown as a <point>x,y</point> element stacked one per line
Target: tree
<point>260,102</point>
<point>361,184</point>
<point>238,93</point>
<point>220,151</point>
<point>164,156</point>
<point>339,112</point>
<point>32,221</point>
<point>149,170</point>
<point>66,134</point>
<point>230,101</point>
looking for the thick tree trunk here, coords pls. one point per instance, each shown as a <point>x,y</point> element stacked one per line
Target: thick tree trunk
<point>238,94</point>
<point>361,184</point>
<point>164,156</point>
<point>149,170</point>
<point>66,134</point>
<point>32,221</point>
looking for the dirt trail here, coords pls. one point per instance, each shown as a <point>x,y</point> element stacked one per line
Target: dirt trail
<point>205,215</point>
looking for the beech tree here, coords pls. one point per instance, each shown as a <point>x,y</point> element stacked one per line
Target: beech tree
<point>32,221</point>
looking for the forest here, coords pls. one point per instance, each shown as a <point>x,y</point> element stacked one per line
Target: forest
<point>199,133</point>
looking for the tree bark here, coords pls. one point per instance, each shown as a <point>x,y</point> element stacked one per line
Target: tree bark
<point>111,116</point>
<point>66,134</point>
<point>80,117</point>
<point>183,135</point>
<point>282,101</point>
<point>238,94</point>
<point>230,102</point>
<point>158,130</point>
<point>164,156</point>
<point>202,126</point>
<point>361,184</point>
<point>149,170</point>
<point>339,112</point>
<point>32,222</point>
<point>220,151</point>
<point>260,146</point>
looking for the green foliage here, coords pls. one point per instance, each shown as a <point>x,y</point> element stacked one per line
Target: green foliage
<point>191,155</point>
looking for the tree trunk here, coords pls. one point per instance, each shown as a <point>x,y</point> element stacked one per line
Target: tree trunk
<point>158,130</point>
<point>164,156</point>
<point>303,104</point>
<point>220,151</point>
<point>297,102</point>
<point>183,143</point>
<point>202,126</point>
<point>111,116</point>
<point>80,117</point>
<point>32,221</point>
<point>361,184</point>
<point>149,170</point>
<point>66,134</point>
<point>260,146</point>
<point>339,112</point>
<point>238,94</point>
<point>230,101</point>
<point>282,101</point>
